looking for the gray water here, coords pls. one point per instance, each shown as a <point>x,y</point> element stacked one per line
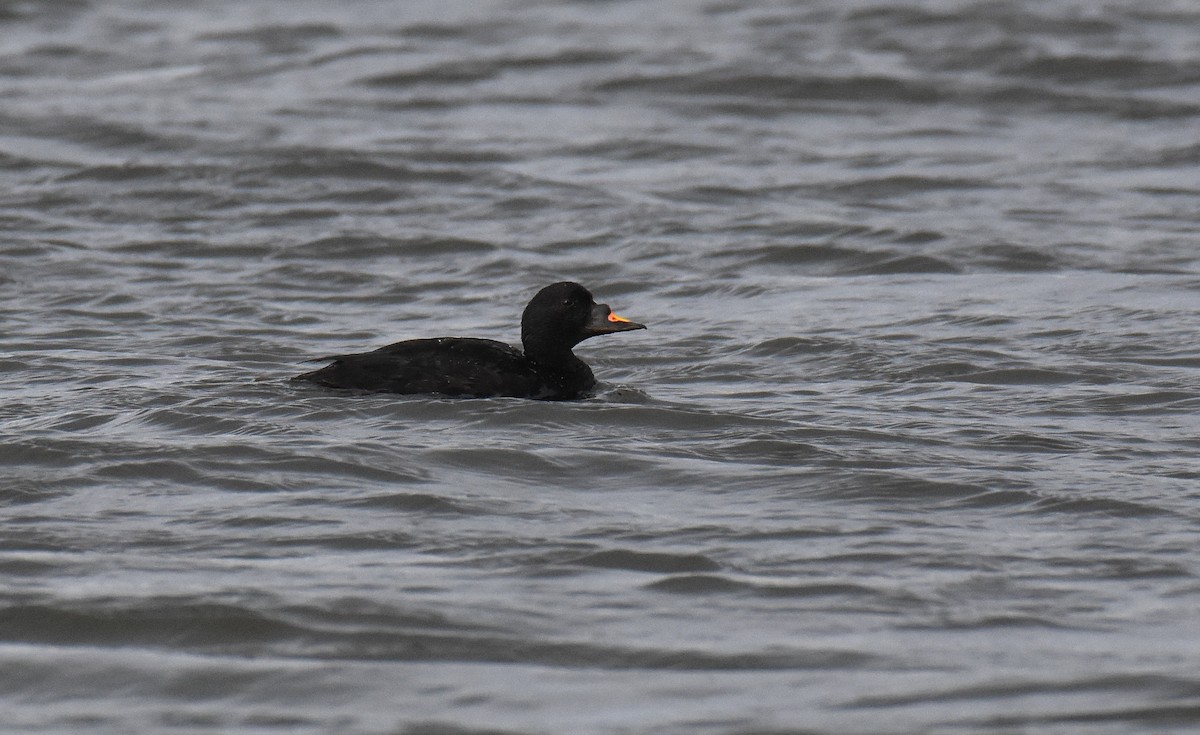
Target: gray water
<point>910,446</point>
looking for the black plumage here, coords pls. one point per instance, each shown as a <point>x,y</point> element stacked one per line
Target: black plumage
<point>559,317</point>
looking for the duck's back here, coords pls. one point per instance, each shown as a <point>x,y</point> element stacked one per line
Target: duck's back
<point>451,366</point>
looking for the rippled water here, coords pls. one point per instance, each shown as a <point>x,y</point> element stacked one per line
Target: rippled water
<point>911,444</point>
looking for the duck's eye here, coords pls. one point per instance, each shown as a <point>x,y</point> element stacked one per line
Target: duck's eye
<point>568,302</point>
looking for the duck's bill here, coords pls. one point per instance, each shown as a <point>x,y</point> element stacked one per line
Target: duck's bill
<point>604,321</point>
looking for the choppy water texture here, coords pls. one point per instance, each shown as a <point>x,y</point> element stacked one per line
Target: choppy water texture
<point>911,445</point>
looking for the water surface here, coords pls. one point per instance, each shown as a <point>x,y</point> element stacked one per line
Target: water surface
<point>910,445</point>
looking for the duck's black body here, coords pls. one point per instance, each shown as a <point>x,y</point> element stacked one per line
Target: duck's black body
<point>559,317</point>
<point>452,366</point>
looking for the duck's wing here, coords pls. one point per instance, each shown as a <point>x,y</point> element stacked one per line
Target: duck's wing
<point>453,366</point>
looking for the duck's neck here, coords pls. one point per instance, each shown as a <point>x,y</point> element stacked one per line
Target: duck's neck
<point>559,367</point>
<point>548,354</point>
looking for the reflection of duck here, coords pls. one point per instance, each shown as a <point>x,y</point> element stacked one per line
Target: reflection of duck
<point>559,317</point>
